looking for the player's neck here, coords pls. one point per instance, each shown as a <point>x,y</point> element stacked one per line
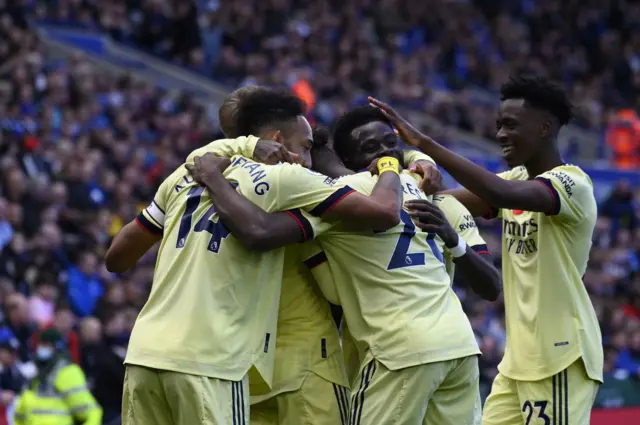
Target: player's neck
<point>546,161</point>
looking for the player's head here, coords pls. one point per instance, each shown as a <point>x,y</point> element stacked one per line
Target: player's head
<point>532,111</point>
<point>229,109</point>
<point>276,115</point>
<point>362,135</point>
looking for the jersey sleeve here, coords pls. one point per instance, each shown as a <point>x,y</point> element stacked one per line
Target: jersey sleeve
<point>462,222</point>
<point>244,146</point>
<point>300,188</point>
<point>316,261</point>
<point>411,156</point>
<point>571,190</point>
<point>152,217</point>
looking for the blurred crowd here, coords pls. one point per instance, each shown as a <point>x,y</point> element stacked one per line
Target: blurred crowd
<point>428,55</point>
<point>81,151</point>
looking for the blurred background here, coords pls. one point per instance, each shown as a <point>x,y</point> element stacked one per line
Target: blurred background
<point>101,99</point>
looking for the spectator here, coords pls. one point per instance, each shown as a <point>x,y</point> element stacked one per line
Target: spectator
<point>621,209</point>
<point>41,403</point>
<point>109,367</point>
<point>92,347</point>
<point>11,379</point>
<point>84,285</point>
<point>42,303</point>
<point>17,322</point>
<point>629,359</point>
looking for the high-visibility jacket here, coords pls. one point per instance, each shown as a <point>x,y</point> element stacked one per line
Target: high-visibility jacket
<point>63,400</point>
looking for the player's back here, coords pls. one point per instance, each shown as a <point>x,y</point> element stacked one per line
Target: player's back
<point>395,290</point>
<point>213,304</point>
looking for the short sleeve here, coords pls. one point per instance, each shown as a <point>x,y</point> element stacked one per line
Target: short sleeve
<point>572,192</point>
<point>244,146</point>
<point>152,217</point>
<point>300,188</point>
<point>462,222</point>
<point>316,261</point>
<point>411,156</point>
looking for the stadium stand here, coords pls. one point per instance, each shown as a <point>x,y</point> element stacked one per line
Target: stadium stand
<point>82,150</point>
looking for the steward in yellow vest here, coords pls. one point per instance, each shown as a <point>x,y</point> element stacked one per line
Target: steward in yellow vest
<point>58,395</point>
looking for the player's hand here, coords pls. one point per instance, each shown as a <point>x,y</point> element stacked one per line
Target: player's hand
<point>408,133</point>
<point>207,168</point>
<point>373,167</point>
<point>431,176</point>
<point>271,152</point>
<point>431,219</point>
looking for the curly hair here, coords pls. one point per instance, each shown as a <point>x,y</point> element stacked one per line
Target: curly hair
<point>342,141</point>
<point>541,93</point>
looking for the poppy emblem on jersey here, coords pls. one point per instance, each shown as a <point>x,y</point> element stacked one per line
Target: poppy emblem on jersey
<point>517,212</point>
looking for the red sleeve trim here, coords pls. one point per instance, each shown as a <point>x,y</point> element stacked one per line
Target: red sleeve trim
<point>555,206</point>
<point>305,225</point>
<point>147,226</point>
<point>331,201</point>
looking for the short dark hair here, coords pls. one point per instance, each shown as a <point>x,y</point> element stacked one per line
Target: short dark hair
<point>229,109</point>
<point>350,121</point>
<point>321,136</point>
<point>267,108</point>
<point>541,93</point>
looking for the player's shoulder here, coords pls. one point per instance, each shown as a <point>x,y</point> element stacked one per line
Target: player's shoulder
<point>442,198</point>
<point>516,173</point>
<point>450,206</point>
<point>358,181</point>
<point>571,171</point>
<point>212,148</point>
<point>571,178</point>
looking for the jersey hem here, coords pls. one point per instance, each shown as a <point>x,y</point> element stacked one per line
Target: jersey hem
<point>200,370</point>
<point>293,385</point>
<point>554,371</point>
<point>422,358</point>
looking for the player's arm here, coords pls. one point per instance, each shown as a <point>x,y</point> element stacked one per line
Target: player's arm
<point>128,246</point>
<point>527,195</point>
<point>475,205</point>
<point>261,230</point>
<point>138,236</point>
<point>472,258</point>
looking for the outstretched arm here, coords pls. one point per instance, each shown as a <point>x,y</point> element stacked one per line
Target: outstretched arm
<point>476,206</point>
<point>527,195</point>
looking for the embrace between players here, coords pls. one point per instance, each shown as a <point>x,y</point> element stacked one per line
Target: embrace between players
<point>262,261</point>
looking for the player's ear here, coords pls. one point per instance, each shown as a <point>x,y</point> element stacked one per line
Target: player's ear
<point>546,128</point>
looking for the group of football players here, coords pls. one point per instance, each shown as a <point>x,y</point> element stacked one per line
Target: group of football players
<point>306,277</point>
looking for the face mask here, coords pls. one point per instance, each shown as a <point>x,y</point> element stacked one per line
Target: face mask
<point>44,353</point>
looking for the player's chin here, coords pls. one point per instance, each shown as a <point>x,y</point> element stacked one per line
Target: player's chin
<point>512,160</point>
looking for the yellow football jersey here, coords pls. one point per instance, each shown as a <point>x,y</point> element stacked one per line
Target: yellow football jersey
<point>463,223</point>
<point>549,317</point>
<point>307,338</point>
<point>213,305</point>
<point>394,288</point>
